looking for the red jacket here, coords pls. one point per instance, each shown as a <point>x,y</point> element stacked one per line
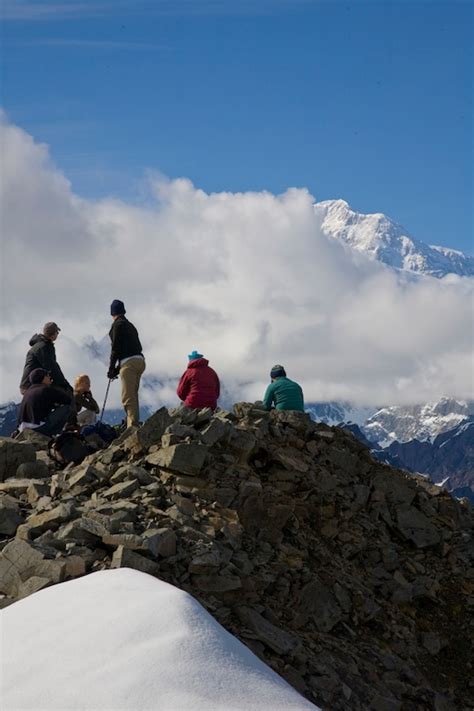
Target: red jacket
<point>199,385</point>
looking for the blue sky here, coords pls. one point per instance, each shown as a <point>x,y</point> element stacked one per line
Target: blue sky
<point>366,101</point>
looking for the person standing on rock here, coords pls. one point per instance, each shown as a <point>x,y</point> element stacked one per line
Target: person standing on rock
<point>44,408</point>
<point>42,354</point>
<point>199,385</point>
<point>283,393</point>
<point>126,360</point>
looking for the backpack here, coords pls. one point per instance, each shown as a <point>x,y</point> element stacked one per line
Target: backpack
<point>67,447</point>
<point>105,432</point>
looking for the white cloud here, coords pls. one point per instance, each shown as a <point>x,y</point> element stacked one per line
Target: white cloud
<point>247,278</point>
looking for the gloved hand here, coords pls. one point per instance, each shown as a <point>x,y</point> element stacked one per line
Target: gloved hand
<point>112,373</point>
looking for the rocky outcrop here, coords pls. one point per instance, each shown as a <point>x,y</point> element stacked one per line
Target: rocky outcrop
<point>353,580</point>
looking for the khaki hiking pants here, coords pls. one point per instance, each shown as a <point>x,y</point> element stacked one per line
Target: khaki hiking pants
<point>130,374</point>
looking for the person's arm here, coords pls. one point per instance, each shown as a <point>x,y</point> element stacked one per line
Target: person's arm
<point>90,403</point>
<point>183,387</point>
<point>269,397</point>
<point>218,386</point>
<point>115,339</point>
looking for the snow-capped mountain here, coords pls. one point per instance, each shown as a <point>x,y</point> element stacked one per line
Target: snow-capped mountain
<point>420,422</point>
<point>377,236</point>
<point>8,414</point>
<point>333,413</point>
<point>448,460</point>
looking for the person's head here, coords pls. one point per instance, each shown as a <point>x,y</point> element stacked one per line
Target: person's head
<point>82,384</point>
<point>117,308</point>
<point>277,371</point>
<point>194,356</point>
<point>39,375</point>
<point>51,330</point>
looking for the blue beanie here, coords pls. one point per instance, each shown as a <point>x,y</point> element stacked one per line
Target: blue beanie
<point>194,355</point>
<point>277,371</point>
<point>117,308</point>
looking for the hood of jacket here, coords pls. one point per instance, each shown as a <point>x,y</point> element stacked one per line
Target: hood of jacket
<point>37,338</point>
<point>198,363</point>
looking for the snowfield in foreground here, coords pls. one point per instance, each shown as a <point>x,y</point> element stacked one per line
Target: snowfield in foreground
<point>120,639</point>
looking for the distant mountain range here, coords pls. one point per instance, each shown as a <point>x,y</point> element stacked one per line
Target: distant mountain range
<point>385,425</point>
<point>380,238</point>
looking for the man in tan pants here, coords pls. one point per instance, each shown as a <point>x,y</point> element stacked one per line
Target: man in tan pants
<point>127,352</point>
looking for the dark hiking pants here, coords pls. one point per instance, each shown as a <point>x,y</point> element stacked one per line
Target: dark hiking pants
<point>55,421</point>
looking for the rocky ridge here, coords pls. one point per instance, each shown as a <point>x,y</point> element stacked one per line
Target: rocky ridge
<point>351,579</point>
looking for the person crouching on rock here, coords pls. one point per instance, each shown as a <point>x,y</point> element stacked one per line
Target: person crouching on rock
<point>199,385</point>
<point>283,393</point>
<point>44,408</point>
<point>83,399</point>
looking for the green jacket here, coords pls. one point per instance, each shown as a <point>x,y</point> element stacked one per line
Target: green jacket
<point>285,394</point>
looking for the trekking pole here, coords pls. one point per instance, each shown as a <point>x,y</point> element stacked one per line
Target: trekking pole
<point>105,399</point>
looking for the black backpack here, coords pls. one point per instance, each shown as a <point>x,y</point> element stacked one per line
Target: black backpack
<point>67,447</point>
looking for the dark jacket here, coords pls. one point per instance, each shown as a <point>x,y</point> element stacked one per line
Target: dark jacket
<point>42,354</point>
<point>38,401</point>
<point>87,401</point>
<point>199,385</point>
<point>124,340</point>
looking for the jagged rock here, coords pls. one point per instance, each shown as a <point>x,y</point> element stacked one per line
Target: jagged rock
<point>125,558</point>
<point>416,527</point>
<point>183,458</point>
<point>80,475</point>
<point>151,431</point>
<point>36,524</point>
<point>291,459</point>
<point>122,489</point>
<point>10,516</point>
<point>398,490</point>
<point>217,583</point>
<point>83,530</point>
<point>318,603</point>
<point>243,444</point>
<point>12,454</point>
<point>32,470</point>
<point>36,491</point>
<point>131,471</point>
<point>75,566</point>
<point>19,562</point>
<point>206,562</point>
<point>277,639</point>
<point>127,540</point>
<point>36,439</point>
<point>161,542</point>
<point>215,431</point>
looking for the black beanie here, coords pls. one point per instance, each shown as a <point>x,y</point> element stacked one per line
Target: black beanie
<point>117,308</point>
<point>37,376</point>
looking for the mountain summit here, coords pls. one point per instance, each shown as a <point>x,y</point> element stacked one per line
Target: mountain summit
<point>377,236</point>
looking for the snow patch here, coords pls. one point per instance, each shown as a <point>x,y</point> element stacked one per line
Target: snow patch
<point>123,640</point>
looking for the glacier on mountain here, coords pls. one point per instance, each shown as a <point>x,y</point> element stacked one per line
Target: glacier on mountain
<point>382,239</point>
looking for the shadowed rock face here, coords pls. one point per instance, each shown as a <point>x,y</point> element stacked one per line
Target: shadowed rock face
<point>353,580</point>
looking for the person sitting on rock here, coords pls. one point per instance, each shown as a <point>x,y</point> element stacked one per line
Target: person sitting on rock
<point>199,385</point>
<point>42,354</point>
<point>283,393</point>
<point>44,407</point>
<point>83,399</point>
